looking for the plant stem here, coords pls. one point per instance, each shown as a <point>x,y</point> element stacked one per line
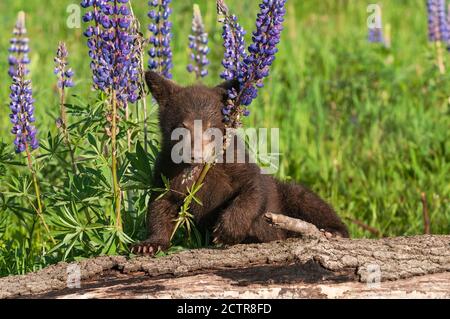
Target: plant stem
<point>129,193</point>
<point>144,104</point>
<point>116,185</point>
<point>37,191</point>
<point>440,57</point>
<point>63,115</point>
<point>127,117</point>
<point>141,86</point>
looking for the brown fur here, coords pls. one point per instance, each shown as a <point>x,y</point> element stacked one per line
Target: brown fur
<point>234,196</point>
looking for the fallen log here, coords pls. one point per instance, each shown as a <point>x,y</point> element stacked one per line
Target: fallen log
<point>351,260</point>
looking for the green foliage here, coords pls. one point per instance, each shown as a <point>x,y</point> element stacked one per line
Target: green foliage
<point>185,221</point>
<point>78,207</point>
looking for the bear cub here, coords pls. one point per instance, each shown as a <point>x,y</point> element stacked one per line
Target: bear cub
<point>234,196</point>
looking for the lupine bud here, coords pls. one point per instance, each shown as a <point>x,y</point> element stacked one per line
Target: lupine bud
<point>160,52</point>
<point>64,74</point>
<point>198,43</point>
<point>19,49</point>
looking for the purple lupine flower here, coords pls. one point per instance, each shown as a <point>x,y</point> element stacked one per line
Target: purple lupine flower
<point>233,42</point>
<point>64,74</point>
<point>19,49</point>
<point>438,26</point>
<point>22,112</point>
<point>161,29</point>
<point>198,43</point>
<point>255,65</point>
<point>269,24</point>
<point>114,65</point>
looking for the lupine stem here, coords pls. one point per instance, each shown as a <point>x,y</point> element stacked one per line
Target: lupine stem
<point>116,184</point>
<point>144,103</point>
<point>37,191</point>
<point>63,115</point>
<point>440,57</point>
<point>141,83</point>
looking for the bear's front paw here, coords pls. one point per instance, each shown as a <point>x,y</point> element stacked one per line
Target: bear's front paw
<point>147,248</point>
<point>227,233</point>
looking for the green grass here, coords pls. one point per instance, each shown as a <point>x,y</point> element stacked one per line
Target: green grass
<point>364,126</point>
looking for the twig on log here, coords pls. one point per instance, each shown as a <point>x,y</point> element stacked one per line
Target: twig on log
<point>366,227</point>
<point>294,225</point>
<point>426,216</point>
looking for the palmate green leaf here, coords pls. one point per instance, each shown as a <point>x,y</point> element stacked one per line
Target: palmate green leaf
<point>2,202</point>
<point>90,186</point>
<point>52,148</point>
<point>154,150</point>
<point>114,239</point>
<point>92,116</point>
<point>7,157</point>
<point>100,178</point>
<point>97,147</point>
<point>3,219</point>
<point>140,172</point>
<point>19,187</point>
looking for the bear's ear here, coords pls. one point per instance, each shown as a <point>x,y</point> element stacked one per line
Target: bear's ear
<point>160,87</point>
<point>224,87</point>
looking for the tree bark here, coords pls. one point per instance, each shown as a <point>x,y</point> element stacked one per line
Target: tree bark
<point>363,260</point>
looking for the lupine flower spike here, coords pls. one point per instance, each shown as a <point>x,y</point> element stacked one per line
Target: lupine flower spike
<point>19,49</point>
<point>65,80</point>
<point>22,112</point>
<point>438,28</point>
<point>235,53</point>
<point>111,47</point>
<point>63,73</point>
<point>161,28</point>
<point>198,43</point>
<point>115,67</point>
<point>22,118</point>
<point>250,69</point>
<point>233,42</point>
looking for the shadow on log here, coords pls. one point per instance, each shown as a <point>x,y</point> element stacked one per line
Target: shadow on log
<point>311,263</point>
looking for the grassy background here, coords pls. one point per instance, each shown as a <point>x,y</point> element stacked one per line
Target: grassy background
<point>365,127</point>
